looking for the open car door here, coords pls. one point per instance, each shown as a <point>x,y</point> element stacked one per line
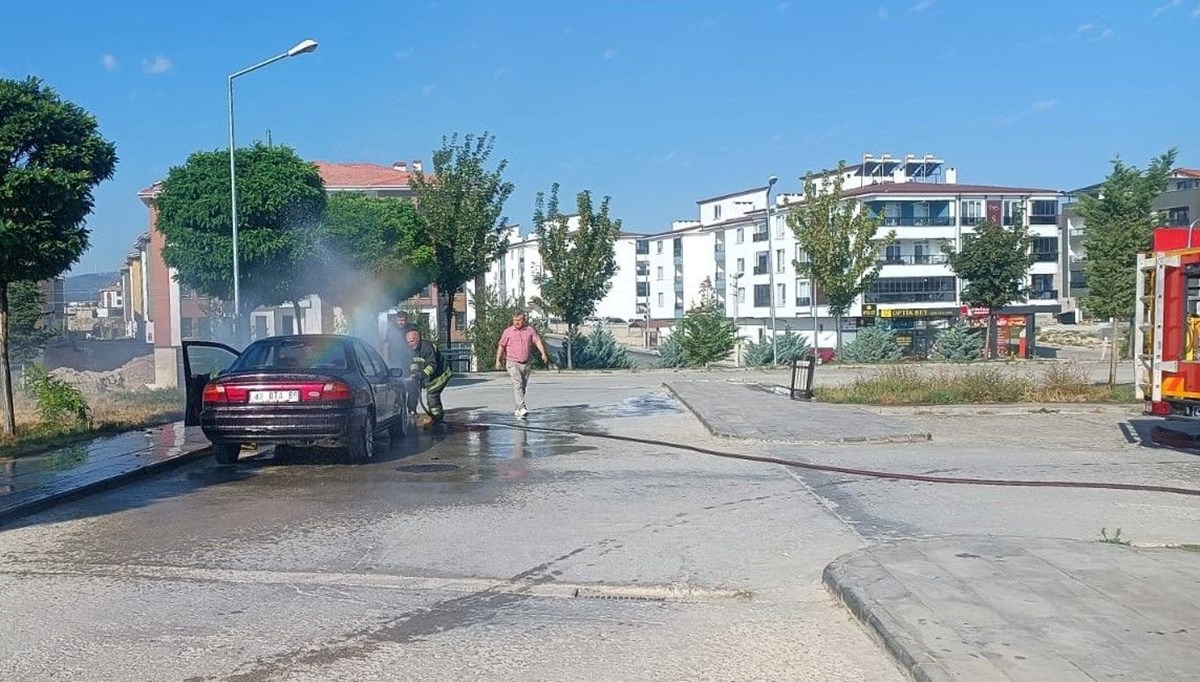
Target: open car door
<point>202,360</point>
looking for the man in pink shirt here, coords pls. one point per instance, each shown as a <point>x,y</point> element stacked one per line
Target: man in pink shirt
<point>514,347</point>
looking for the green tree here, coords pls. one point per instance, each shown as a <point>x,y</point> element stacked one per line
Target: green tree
<point>371,254</point>
<point>578,263</point>
<point>958,343</point>
<point>841,242</point>
<point>994,262</point>
<point>52,156</point>
<point>27,332</point>
<point>705,334</point>
<point>670,353</point>
<point>280,203</point>
<point>596,350</point>
<point>462,204</point>
<point>872,345</point>
<point>1120,224</point>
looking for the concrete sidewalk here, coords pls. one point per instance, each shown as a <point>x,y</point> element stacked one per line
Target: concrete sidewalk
<point>991,608</point>
<point>35,482</point>
<point>748,411</point>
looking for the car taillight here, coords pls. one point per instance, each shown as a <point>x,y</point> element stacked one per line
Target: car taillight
<point>215,393</point>
<point>336,391</point>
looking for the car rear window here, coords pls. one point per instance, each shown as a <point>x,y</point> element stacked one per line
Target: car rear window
<point>293,353</point>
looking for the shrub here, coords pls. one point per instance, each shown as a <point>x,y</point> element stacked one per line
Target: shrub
<point>597,350</point>
<point>705,334</point>
<point>958,344</point>
<point>872,345</point>
<point>670,353</point>
<point>57,400</point>
<point>790,346</point>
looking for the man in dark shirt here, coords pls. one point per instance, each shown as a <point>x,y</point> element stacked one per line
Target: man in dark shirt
<point>429,369</point>
<point>395,349</point>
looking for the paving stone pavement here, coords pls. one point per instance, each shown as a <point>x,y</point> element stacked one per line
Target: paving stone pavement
<point>33,482</point>
<point>995,608</point>
<point>739,410</point>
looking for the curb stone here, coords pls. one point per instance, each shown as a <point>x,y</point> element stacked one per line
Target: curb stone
<point>898,438</point>
<point>53,500</point>
<point>883,627</point>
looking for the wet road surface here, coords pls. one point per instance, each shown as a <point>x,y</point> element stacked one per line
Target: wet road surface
<point>476,551</point>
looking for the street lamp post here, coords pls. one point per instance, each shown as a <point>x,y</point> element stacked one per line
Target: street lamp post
<point>1192,225</point>
<point>737,340</point>
<point>302,47</point>
<point>771,272</point>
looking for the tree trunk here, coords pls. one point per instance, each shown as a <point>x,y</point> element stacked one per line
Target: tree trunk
<point>993,346</point>
<point>837,319</point>
<point>480,307</point>
<point>449,313</point>
<point>1114,349</point>
<point>570,351</point>
<point>299,316</point>
<point>10,418</point>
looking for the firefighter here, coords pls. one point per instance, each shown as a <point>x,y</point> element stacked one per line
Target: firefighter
<point>428,369</point>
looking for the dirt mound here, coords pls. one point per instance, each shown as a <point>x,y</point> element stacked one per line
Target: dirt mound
<point>133,375</point>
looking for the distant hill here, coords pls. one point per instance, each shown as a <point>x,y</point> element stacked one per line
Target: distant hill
<point>87,287</point>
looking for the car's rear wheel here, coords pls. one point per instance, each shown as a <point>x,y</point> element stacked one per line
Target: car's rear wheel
<point>226,453</point>
<point>362,444</point>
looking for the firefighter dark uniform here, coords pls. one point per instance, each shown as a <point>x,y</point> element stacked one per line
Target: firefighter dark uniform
<point>428,369</point>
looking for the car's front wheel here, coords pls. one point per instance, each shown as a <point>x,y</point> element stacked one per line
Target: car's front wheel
<point>226,453</point>
<point>362,444</point>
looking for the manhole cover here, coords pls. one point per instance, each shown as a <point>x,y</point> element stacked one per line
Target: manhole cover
<point>427,468</point>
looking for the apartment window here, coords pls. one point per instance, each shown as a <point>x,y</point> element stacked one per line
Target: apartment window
<point>892,254</point>
<point>185,327</point>
<point>643,269</point>
<point>741,266</point>
<point>1042,283</point>
<point>1045,249</point>
<point>658,273</point>
<point>971,212</point>
<point>803,293</point>
<point>1011,208</point>
<point>460,320</point>
<point>741,294</point>
<point>659,245</point>
<point>643,289</point>
<point>762,295</point>
<point>801,257</point>
<point>780,292</point>
<point>642,247</point>
<point>779,225</point>
<point>717,212</point>
<point>761,266</point>
<point>911,290</point>
<point>741,235</point>
<point>660,299</point>
<point>1178,216</point>
<point>677,246</point>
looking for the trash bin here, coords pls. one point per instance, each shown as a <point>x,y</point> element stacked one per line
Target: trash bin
<point>802,378</point>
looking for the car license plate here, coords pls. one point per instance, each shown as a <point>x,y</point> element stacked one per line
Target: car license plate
<point>274,396</point>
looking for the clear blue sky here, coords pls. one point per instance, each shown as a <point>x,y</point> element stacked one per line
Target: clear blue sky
<point>656,103</point>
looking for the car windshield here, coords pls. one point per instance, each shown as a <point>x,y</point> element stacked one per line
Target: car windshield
<point>293,353</point>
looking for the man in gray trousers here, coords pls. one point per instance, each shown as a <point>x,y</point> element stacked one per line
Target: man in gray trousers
<point>514,349</point>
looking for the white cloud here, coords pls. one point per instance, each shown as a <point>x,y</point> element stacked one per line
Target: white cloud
<point>109,62</point>
<point>1084,28</point>
<point>1104,35</point>
<point>1042,105</point>
<point>160,64</point>
<point>501,73</point>
<point>920,6</point>
<point>427,89</point>
<point>882,13</point>
<point>1171,4</point>
<point>609,53</point>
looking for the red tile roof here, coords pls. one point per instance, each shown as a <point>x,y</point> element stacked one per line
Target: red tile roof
<point>1186,172</point>
<point>359,175</point>
<point>941,188</point>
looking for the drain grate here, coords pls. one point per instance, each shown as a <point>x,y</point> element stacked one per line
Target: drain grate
<point>427,468</point>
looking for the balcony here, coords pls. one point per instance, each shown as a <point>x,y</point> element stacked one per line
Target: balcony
<point>760,236</point>
<point>1046,257</point>
<point>971,221</point>
<point>803,301</point>
<point>911,297</point>
<point>1043,220</point>
<point>914,259</point>
<point>914,221</point>
<point>761,269</point>
<point>1044,295</point>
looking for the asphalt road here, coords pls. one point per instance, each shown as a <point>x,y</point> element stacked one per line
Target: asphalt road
<point>482,553</point>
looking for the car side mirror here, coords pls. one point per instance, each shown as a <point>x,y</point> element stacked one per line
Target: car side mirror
<point>396,373</point>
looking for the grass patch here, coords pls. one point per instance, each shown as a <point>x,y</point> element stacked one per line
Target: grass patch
<point>1114,539</point>
<point>111,413</point>
<point>911,385</point>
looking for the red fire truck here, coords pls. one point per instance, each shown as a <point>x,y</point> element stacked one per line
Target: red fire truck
<point>1166,342</point>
